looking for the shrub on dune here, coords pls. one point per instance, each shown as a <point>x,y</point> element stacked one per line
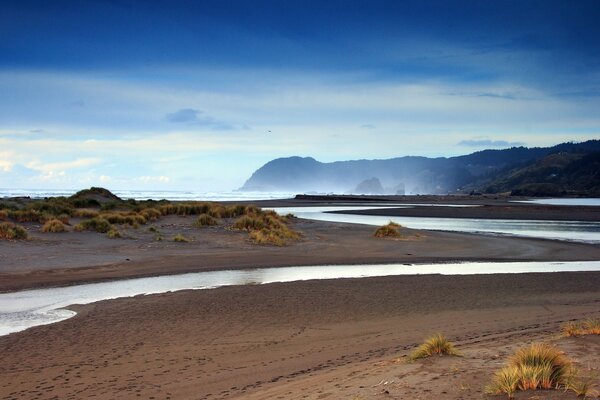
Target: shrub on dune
<point>538,366</point>
<point>85,213</point>
<point>205,220</point>
<point>392,229</point>
<point>113,234</point>
<point>54,226</point>
<point>3,215</point>
<point>249,223</point>
<point>180,238</point>
<point>590,326</point>
<point>10,231</point>
<point>97,224</point>
<point>435,345</point>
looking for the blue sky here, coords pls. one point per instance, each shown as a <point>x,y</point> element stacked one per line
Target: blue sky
<point>198,94</point>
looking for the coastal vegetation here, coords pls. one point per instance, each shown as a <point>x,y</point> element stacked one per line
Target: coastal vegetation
<point>590,326</point>
<point>180,238</point>
<point>391,229</point>
<point>205,220</point>
<point>266,227</point>
<point>10,231</point>
<point>538,366</point>
<point>435,345</point>
<point>54,226</point>
<point>97,224</point>
<point>99,210</point>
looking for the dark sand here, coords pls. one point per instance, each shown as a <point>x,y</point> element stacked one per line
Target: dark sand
<point>67,258</point>
<point>338,339</point>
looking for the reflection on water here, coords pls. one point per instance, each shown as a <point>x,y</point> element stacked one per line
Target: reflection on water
<point>563,230</point>
<point>24,309</point>
<point>564,202</point>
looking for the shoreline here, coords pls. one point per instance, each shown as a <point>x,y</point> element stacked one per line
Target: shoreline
<point>61,259</point>
<point>324,243</point>
<point>301,338</point>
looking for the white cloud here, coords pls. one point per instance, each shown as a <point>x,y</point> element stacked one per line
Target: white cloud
<point>159,179</point>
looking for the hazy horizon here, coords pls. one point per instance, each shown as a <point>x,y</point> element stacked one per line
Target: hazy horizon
<point>198,95</point>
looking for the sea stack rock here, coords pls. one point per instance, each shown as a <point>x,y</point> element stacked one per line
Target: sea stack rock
<point>369,186</point>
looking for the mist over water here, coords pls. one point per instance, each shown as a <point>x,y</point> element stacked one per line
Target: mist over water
<point>174,195</point>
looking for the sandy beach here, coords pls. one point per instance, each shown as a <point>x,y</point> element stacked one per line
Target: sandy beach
<point>345,338</point>
<point>317,339</point>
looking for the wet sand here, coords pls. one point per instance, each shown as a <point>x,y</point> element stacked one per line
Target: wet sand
<point>76,257</point>
<point>303,340</point>
<point>331,339</point>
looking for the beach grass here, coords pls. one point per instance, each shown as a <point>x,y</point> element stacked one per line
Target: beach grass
<point>10,231</point>
<point>590,326</point>
<point>391,229</point>
<point>205,220</point>
<point>113,234</point>
<point>54,226</point>
<point>537,366</point>
<point>180,238</point>
<point>98,224</point>
<point>266,228</point>
<point>434,345</point>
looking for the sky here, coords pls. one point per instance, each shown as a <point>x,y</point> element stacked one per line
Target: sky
<point>196,95</point>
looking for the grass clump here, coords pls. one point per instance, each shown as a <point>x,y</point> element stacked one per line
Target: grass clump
<point>436,344</point>
<point>590,326</point>
<point>113,234</point>
<point>85,213</point>
<point>54,226</point>
<point>10,231</point>
<point>3,215</point>
<point>97,224</point>
<point>205,220</point>
<point>583,387</point>
<point>266,228</point>
<point>392,229</point>
<point>538,366</point>
<point>180,238</point>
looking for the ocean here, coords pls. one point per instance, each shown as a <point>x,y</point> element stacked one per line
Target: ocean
<point>180,195</point>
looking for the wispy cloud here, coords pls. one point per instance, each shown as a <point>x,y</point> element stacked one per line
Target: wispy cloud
<point>196,117</point>
<point>488,143</point>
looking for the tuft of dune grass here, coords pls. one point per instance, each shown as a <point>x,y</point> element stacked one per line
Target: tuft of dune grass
<point>113,234</point>
<point>205,220</point>
<point>392,229</point>
<point>266,228</point>
<point>435,345</point>
<point>180,238</point>
<point>10,231</point>
<point>590,326</point>
<point>97,224</point>
<point>538,366</point>
<point>54,226</point>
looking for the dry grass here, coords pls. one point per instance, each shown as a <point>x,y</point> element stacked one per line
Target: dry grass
<point>180,238</point>
<point>122,218</point>
<point>538,366</point>
<point>392,229</point>
<point>266,228</point>
<point>85,213</point>
<point>113,234</point>
<point>10,231</point>
<point>435,345</point>
<point>583,387</point>
<point>54,226</point>
<point>97,224</point>
<point>205,220</point>
<point>3,215</point>
<point>590,326</point>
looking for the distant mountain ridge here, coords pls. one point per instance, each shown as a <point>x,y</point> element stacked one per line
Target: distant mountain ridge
<point>480,171</point>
